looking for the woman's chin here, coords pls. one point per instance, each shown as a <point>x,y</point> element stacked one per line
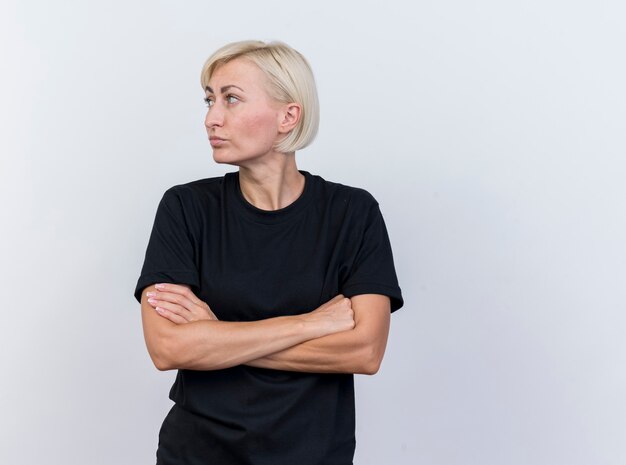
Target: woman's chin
<point>222,157</point>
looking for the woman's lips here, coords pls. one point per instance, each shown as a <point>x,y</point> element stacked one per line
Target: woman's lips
<point>217,141</point>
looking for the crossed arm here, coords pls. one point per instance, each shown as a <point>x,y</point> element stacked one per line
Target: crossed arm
<point>342,336</point>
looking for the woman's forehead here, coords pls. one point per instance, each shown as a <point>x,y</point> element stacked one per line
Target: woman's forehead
<point>238,72</point>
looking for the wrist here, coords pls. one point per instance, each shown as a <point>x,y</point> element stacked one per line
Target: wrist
<point>313,326</point>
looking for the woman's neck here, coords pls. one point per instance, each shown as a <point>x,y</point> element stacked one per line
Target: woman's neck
<point>272,184</point>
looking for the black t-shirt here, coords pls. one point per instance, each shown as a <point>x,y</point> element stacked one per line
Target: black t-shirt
<point>250,264</point>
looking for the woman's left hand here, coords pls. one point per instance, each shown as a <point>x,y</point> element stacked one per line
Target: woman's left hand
<point>179,304</point>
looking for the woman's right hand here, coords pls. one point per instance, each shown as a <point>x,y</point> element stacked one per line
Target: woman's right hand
<point>336,315</point>
<point>179,304</point>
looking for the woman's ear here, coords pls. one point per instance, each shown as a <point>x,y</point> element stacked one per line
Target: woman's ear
<point>290,116</point>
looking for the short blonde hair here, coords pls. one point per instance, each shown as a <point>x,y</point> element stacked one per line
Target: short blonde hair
<point>291,80</point>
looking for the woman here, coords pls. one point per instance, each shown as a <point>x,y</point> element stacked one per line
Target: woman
<point>266,288</point>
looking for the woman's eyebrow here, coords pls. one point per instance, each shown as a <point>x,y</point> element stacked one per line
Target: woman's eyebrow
<point>224,89</point>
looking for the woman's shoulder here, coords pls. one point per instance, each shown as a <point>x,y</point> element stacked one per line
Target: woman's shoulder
<point>203,184</point>
<point>197,188</point>
<point>195,196</point>
<point>355,196</point>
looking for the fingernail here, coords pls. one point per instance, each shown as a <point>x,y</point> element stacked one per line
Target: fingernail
<point>152,301</point>
<point>159,309</point>
<point>150,294</point>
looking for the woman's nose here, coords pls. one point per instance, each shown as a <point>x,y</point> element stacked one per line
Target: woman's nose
<point>214,117</point>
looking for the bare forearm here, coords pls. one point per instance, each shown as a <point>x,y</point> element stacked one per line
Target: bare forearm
<point>344,352</point>
<point>359,350</point>
<point>213,345</point>
<point>185,334</point>
<point>344,335</point>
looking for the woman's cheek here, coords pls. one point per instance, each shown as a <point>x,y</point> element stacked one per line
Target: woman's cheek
<point>262,128</point>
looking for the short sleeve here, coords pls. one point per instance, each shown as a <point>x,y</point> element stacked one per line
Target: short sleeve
<point>373,270</point>
<point>170,253</point>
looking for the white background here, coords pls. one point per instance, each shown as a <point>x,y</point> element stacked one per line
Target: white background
<point>492,134</point>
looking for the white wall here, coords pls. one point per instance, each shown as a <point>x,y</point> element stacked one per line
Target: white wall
<point>492,134</point>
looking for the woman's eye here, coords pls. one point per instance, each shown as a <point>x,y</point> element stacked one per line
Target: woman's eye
<point>209,102</point>
<point>231,99</point>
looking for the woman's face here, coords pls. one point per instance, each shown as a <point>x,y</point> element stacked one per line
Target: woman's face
<point>242,121</point>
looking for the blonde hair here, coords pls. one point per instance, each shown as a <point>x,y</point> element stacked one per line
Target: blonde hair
<point>291,81</point>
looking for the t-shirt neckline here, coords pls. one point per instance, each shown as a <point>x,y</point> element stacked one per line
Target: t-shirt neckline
<point>271,216</point>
